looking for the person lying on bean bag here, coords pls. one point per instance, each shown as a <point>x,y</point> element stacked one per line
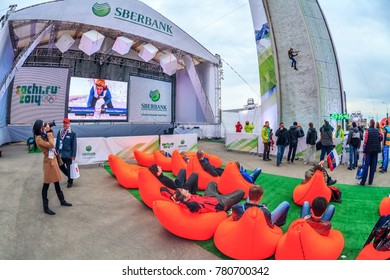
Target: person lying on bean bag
<point>321,214</point>
<point>204,162</point>
<point>212,201</point>
<point>180,182</point>
<point>276,217</point>
<point>251,178</point>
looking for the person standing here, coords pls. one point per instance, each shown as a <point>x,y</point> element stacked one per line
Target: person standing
<point>248,128</point>
<point>371,148</point>
<point>281,142</point>
<point>339,132</point>
<point>326,137</point>
<point>311,139</point>
<point>354,142</point>
<point>44,137</point>
<point>386,144</point>
<point>66,145</point>
<point>265,135</point>
<point>238,126</point>
<point>293,135</point>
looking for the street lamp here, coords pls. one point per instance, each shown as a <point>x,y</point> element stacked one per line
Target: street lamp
<point>387,113</point>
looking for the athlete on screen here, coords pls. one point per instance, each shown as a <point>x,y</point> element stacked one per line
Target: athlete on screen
<point>100,91</point>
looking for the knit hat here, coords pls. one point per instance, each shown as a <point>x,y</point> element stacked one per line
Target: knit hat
<point>354,124</point>
<point>295,123</point>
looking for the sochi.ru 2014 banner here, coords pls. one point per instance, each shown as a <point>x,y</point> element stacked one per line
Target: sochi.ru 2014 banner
<point>150,100</point>
<point>38,93</point>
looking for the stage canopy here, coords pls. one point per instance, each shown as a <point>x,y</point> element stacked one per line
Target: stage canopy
<point>120,33</point>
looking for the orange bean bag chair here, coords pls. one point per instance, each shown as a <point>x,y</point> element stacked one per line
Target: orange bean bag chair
<point>161,160</point>
<point>149,188</point>
<point>249,238</point>
<point>384,207</point>
<point>369,253</point>
<point>113,162</point>
<point>316,186</point>
<point>213,159</point>
<point>183,223</point>
<point>302,242</point>
<point>125,173</point>
<point>177,162</point>
<point>143,158</point>
<point>203,177</point>
<point>232,180</point>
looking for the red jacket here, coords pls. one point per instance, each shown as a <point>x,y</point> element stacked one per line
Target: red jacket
<point>238,127</point>
<point>322,227</point>
<point>205,203</point>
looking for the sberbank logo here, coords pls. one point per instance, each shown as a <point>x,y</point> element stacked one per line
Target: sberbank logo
<point>101,10</point>
<point>182,142</point>
<point>154,95</point>
<point>88,148</point>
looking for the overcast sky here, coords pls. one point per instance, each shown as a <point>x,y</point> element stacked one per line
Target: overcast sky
<point>360,30</point>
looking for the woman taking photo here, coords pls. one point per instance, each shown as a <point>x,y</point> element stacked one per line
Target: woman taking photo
<point>44,138</point>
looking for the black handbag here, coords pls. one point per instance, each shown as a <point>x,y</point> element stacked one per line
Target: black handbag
<point>318,146</point>
<point>59,160</point>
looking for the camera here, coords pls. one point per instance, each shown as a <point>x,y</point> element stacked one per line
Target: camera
<point>51,124</point>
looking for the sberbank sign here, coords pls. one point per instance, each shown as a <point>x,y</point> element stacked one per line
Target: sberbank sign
<point>140,19</point>
<point>153,107</point>
<point>36,93</point>
<point>104,9</point>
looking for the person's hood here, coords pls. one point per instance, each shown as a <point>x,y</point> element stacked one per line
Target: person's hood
<point>312,129</point>
<point>293,127</point>
<point>355,129</point>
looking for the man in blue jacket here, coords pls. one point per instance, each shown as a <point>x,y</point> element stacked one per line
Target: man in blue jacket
<point>66,146</point>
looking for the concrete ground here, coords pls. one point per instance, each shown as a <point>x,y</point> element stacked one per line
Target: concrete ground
<point>106,221</point>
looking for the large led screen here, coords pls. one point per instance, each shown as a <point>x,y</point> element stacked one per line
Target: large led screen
<point>38,93</point>
<point>150,100</point>
<point>97,100</point>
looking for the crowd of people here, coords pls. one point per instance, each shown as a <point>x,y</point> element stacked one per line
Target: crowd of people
<point>362,143</point>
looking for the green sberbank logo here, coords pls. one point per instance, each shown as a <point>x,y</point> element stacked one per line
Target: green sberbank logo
<point>101,10</point>
<point>182,142</point>
<point>88,148</point>
<point>154,95</point>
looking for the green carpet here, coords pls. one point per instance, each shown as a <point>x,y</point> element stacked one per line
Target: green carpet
<point>354,217</point>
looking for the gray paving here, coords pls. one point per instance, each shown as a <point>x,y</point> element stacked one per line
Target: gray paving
<point>105,222</point>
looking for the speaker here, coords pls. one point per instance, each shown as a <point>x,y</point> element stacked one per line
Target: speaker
<point>122,45</point>
<point>64,43</point>
<point>147,52</point>
<point>168,63</point>
<point>91,42</point>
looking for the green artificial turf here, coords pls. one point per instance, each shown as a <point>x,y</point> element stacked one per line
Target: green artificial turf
<point>354,217</point>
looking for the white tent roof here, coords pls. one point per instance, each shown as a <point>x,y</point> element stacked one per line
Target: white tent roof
<point>132,19</point>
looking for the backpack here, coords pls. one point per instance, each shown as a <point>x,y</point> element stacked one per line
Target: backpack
<point>355,140</point>
<point>381,234</point>
<point>336,194</point>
